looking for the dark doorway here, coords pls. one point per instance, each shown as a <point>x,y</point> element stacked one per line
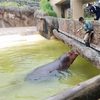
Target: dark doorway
<point>64,6</point>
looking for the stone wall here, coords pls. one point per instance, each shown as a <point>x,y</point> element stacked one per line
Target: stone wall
<point>71,26</point>
<point>11,16</point>
<point>29,2</point>
<point>46,25</point>
<point>40,25</point>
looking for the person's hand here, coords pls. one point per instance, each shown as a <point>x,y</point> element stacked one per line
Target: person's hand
<point>94,16</point>
<point>78,30</point>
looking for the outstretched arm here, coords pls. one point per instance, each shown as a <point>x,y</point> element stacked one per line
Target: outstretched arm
<point>79,29</point>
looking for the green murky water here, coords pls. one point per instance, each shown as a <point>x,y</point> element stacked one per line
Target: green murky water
<point>17,61</point>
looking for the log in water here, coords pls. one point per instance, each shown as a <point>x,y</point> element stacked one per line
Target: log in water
<point>92,55</point>
<point>88,90</point>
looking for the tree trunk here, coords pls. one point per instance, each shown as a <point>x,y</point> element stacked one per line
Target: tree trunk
<point>90,53</point>
<point>87,90</point>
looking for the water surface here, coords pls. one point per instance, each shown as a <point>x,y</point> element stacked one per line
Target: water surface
<point>22,56</point>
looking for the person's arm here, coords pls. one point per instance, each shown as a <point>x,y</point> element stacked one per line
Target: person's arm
<point>79,29</point>
<point>96,17</point>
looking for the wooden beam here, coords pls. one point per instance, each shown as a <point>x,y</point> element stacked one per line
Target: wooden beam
<point>87,90</point>
<point>89,53</point>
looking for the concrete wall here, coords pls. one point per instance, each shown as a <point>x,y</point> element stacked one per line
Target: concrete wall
<point>67,13</point>
<point>56,4</point>
<point>76,7</point>
<point>16,17</point>
<point>57,8</point>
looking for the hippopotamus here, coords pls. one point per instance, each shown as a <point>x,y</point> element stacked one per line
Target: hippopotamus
<point>63,62</point>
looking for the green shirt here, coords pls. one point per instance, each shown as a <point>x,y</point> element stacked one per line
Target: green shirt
<point>87,26</point>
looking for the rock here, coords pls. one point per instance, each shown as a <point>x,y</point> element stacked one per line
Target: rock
<point>12,16</point>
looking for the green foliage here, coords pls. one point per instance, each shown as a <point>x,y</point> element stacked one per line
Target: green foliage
<point>51,13</point>
<point>89,18</point>
<point>46,7</point>
<point>87,14</point>
<point>12,4</point>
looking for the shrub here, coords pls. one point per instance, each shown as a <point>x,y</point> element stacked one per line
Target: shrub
<point>51,13</point>
<point>11,4</point>
<point>46,7</point>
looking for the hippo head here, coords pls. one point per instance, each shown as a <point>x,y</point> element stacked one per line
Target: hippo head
<point>72,55</point>
<point>67,58</point>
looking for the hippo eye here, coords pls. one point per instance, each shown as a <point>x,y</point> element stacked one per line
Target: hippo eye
<point>66,60</point>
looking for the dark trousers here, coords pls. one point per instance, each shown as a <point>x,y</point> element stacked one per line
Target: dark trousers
<point>88,37</point>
